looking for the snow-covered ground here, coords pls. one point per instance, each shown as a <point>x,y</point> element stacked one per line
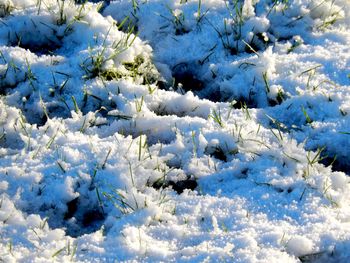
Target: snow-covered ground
<point>175,131</point>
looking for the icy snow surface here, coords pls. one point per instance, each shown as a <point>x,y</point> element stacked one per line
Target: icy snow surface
<point>175,131</point>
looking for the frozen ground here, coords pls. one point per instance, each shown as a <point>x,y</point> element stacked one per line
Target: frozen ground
<point>175,131</point>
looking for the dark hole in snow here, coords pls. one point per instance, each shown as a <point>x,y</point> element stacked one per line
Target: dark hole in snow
<point>219,154</point>
<point>242,102</point>
<point>56,110</point>
<point>53,109</point>
<point>3,87</point>
<point>162,85</point>
<point>237,102</point>
<point>243,174</point>
<point>79,220</point>
<point>178,186</point>
<point>72,207</point>
<point>321,256</point>
<point>185,77</point>
<point>93,219</point>
<point>252,48</point>
<point>46,48</point>
<point>337,164</point>
<point>282,190</point>
<point>86,223</point>
<point>215,96</point>
<point>82,215</point>
<point>187,81</point>
<point>40,119</point>
<point>35,118</point>
<point>275,102</point>
<point>181,31</point>
<point>233,50</point>
<point>258,43</point>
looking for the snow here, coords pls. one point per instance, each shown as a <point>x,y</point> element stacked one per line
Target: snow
<point>174,131</point>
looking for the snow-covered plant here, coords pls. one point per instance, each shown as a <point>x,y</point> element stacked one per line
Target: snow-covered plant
<point>177,19</point>
<point>216,116</point>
